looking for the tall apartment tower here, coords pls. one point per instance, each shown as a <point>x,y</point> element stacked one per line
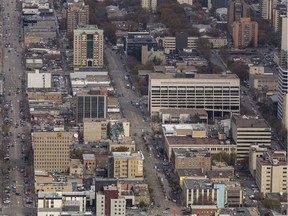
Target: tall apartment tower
<point>88,47</point>
<point>245,32</point>
<point>283,69</point>
<point>77,15</point>
<point>52,150</point>
<point>150,5</point>
<point>90,106</point>
<point>266,8</point>
<point>236,9</point>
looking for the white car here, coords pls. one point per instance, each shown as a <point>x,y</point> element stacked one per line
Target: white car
<point>6,201</point>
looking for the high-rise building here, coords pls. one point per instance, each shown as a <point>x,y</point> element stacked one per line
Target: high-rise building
<point>77,15</point>
<point>88,47</point>
<point>283,68</point>
<point>266,8</point>
<point>217,94</point>
<point>52,150</point>
<point>245,32</point>
<point>236,9</point>
<point>91,106</point>
<point>150,5</point>
<point>271,172</point>
<point>247,131</point>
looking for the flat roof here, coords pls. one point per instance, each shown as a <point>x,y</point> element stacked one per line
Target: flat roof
<point>190,172</point>
<point>197,76</point>
<point>191,152</point>
<point>218,174</point>
<point>185,140</point>
<point>249,122</point>
<point>89,157</point>
<point>197,183</point>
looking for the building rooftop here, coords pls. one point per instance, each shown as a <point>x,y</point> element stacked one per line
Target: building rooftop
<point>197,172</point>
<point>191,152</point>
<point>199,112</point>
<point>185,140</point>
<point>249,122</point>
<point>218,174</point>
<point>89,157</point>
<point>49,195</point>
<point>197,183</point>
<point>196,76</point>
<point>174,127</point>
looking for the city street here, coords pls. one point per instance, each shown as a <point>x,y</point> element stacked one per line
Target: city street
<point>15,168</point>
<point>139,126</point>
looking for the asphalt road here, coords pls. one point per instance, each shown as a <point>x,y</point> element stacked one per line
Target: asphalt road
<point>16,167</point>
<point>138,125</point>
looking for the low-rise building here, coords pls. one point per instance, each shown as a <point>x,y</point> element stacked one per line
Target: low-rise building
<point>222,167</point>
<point>94,129</point>
<point>199,192</point>
<point>183,116</point>
<point>89,161</point>
<point>233,194</point>
<point>196,173</point>
<point>126,165</point>
<point>219,176</point>
<point>191,158</point>
<point>38,79</point>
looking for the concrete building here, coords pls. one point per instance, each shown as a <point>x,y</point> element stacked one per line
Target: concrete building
<point>255,152</point>
<point>196,91</point>
<point>245,33</point>
<point>61,203</point>
<point>52,150</point>
<point>38,79</point>
<point>181,116</point>
<point>265,82</point>
<point>212,144</point>
<point>247,131</point>
<point>222,167</point>
<point>109,203</point>
<point>150,5</point>
<point>219,176</point>
<point>236,9</point>
<point>88,47</point>
<point>271,172</point>
<point>77,15</point>
<point>199,192</point>
<point>51,186</point>
<point>94,130</point>
<point>191,158</point>
<point>90,106</point>
<point>34,63</point>
<point>283,69</point>
<point>152,56</point>
<point>196,173</point>
<point>266,8</point>
<point>233,194</point>
<point>285,111</point>
<point>172,44</point>
<point>126,165</point>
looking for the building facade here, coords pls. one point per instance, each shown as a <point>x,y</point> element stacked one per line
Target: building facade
<point>91,107</point>
<point>247,131</point>
<point>271,172</point>
<point>180,42</point>
<point>266,8</point>
<point>77,15</point>
<point>215,93</point>
<point>88,47</point>
<point>126,165</point>
<point>236,10</point>
<point>52,150</point>
<point>150,5</point>
<point>245,33</point>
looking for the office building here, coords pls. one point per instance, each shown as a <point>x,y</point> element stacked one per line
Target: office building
<point>180,42</point>
<point>191,158</point>
<point>217,94</point>
<point>271,172</point>
<point>236,9</point>
<point>245,33</point>
<point>150,5</point>
<point>126,165</point>
<point>94,130</point>
<point>199,192</point>
<point>109,203</point>
<point>88,47</point>
<point>233,194</point>
<point>52,150</point>
<point>266,8</point>
<point>135,40</point>
<point>283,69</point>
<point>77,15</point>
<point>247,131</point>
<point>255,151</point>
<point>91,107</point>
